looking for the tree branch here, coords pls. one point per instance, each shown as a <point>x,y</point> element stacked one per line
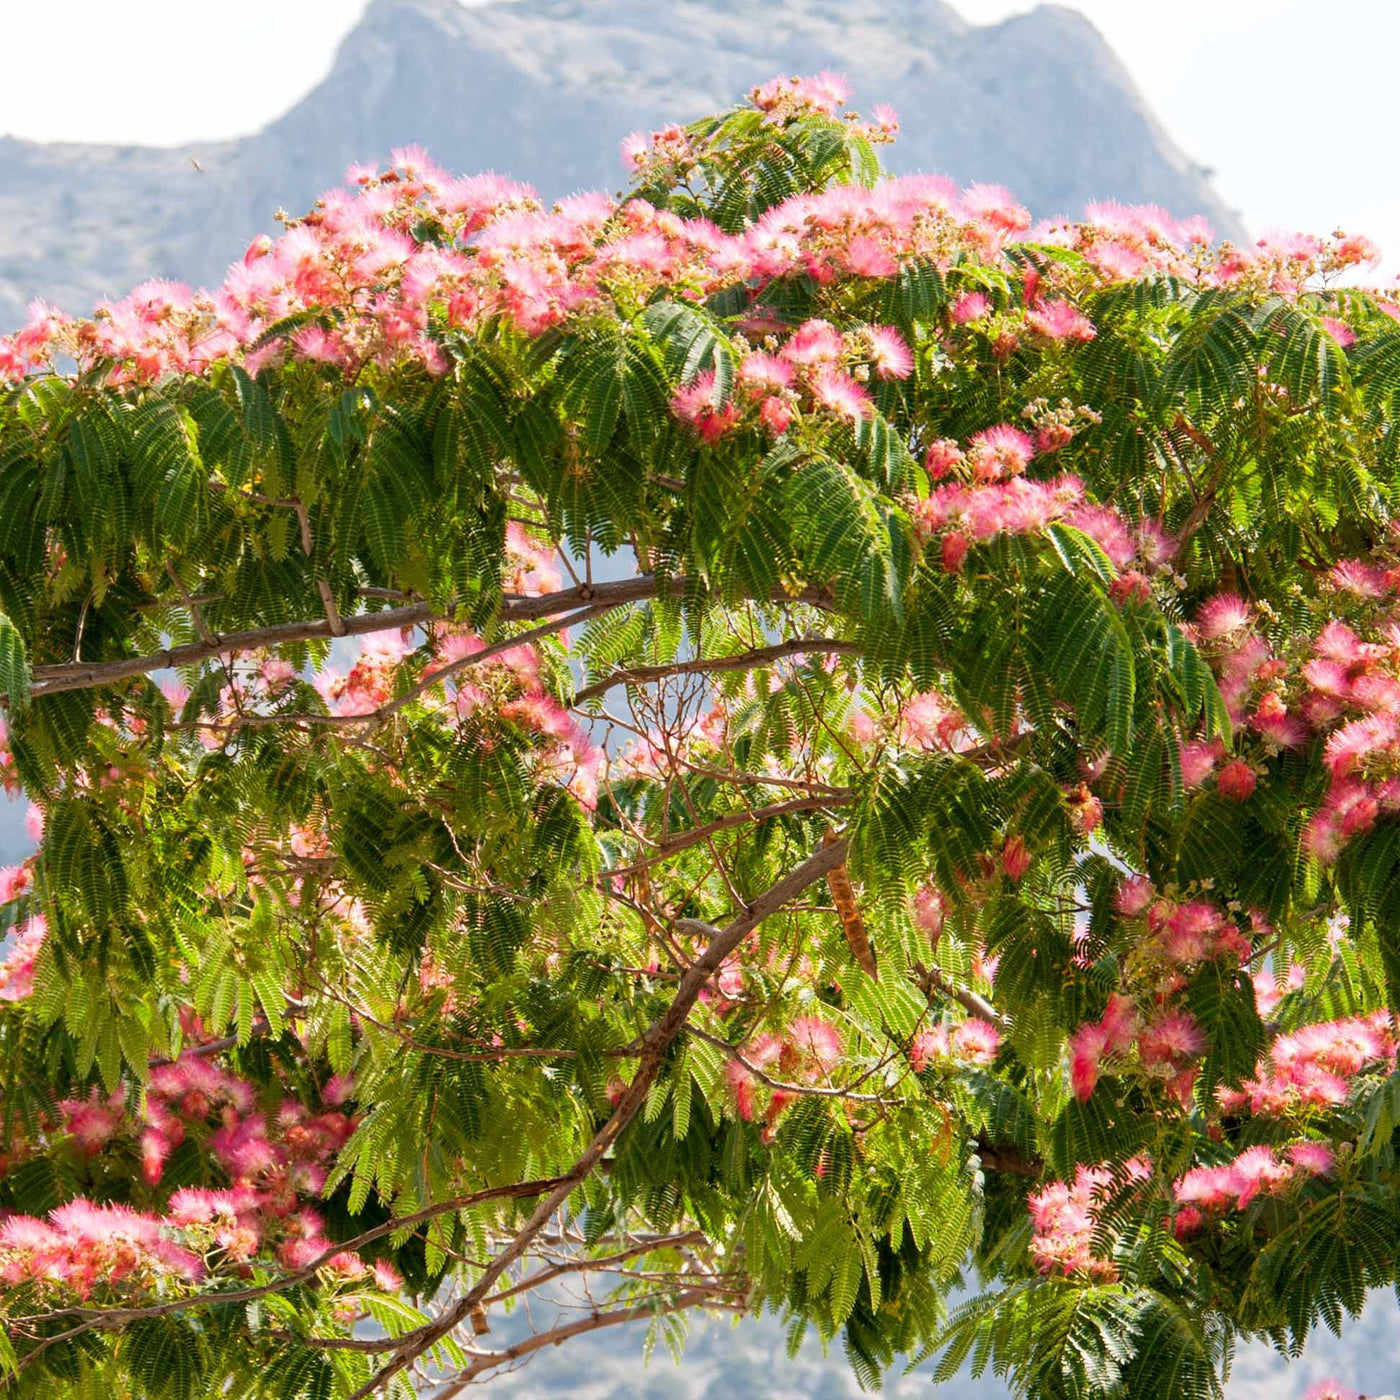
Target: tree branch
<point>48,680</point>
<point>691,1297</point>
<point>654,1044</point>
<point>743,661</point>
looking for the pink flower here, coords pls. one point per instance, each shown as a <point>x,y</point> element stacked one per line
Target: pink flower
<point>1175,1036</point>
<point>976,1041</point>
<point>890,352</point>
<point>1236,781</point>
<point>943,456</point>
<point>1329,1389</point>
<point>971,306</point>
<point>1015,858</point>
<point>865,257</point>
<point>1058,320</point>
<point>886,118</point>
<point>841,394</point>
<point>1338,330</point>
<point>1133,896</point>
<point>818,1039</point>
<point>1221,616</point>
<point>954,551</point>
<point>930,909</point>
<point>814,343</point>
<point>1086,1048</point>
<point>1198,762</point>
<point>775,415</point>
<point>1315,1158</point>
<point>1000,452</point>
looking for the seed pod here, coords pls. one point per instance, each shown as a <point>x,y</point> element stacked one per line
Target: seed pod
<point>852,922</point>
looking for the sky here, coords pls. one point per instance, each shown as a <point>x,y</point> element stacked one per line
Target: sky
<point>1291,101</point>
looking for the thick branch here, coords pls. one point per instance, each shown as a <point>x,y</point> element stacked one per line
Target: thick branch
<point>693,837</point>
<point>654,1045</point>
<point>48,680</point>
<point>692,1297</point>
<point>712,665</point>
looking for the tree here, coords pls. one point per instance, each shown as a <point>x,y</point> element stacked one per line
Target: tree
<point>787,742</point>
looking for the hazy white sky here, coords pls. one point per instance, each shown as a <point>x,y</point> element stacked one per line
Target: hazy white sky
<point>1291,101</point>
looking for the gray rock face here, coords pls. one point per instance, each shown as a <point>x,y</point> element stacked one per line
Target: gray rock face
<point>543,89</point>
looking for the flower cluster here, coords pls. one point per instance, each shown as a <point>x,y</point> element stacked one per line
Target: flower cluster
<point>1063,1220</point>
<point>805,1054</point>
<point>970,1042</point>
<point>816,369</point>
<point>17,970</point>
<point>1312,1068</point>
<point>1256,1171</point>
<point>378,268</point>
<point>83,1245</point>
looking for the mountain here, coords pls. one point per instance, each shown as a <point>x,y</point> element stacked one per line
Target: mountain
<point>543,90</point>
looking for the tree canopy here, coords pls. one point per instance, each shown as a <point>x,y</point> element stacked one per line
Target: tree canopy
<point>786,741</point>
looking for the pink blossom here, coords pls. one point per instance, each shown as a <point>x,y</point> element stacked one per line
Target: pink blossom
<point>1222,616</point>
<point>841,394</point>
<point>890,352</point>
<point>1133,895</point>
<point>1000,452</point>
<point>1236,781</point>
<point>976,1041</point>
<point>1059,320</point>
<point>969,307</point>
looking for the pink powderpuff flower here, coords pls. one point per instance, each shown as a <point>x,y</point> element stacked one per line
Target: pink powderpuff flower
<point>34,823</point>
<point>1108,530</point>
<point>928,1045</point>
<point>866,257</point>
<point>15,881</point>
<point>885,117</point>
<point>943,457</point>
<point>1222,616</point>
<point>1257,1171</point>
<point>1198,761</point>
<point>1351,745</point>
<point>1337,642</point>
<point>1171,1038</point>
<point>818,1040</point>
<point>766,372</point>
<point>1086,1049</point>
<point>1133,896</point>
<point>1236,781</point>
<point>776,415</point>
<point>633,148</point>
<point>1329,1389</point>
<point>841,394</point>
<point>1360,579</point>
<point>1315,1158</point>
<point>340,1088</point>
<point>890,352</point>
<point>1000,452</point>
<point>930,910</point>
<point>995,206</point>
<point>975,1041</point>
<point>1210,1188</point>
<point>953,553</point>
<point>1015,858</point>
<point>814,343</point>
<point>1058,320</point>
<point>970,307</point>
<point>1338,330</point>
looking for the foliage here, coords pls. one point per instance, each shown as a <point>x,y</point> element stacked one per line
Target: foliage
<point>789,742</point>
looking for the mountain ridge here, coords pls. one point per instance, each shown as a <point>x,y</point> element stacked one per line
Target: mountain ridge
<point>544,89</point>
